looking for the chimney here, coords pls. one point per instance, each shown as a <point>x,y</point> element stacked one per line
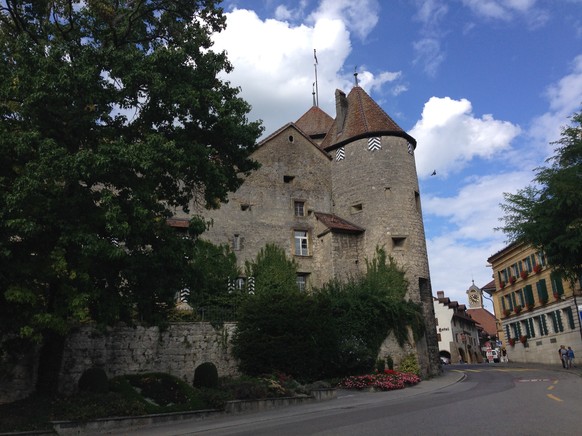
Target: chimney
<point>341,109</point>
<point>440,294</point>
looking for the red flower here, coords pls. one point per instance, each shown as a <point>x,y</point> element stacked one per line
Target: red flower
<point>524,274</point>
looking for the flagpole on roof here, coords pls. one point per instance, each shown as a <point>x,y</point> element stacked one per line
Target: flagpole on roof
<point>316,97</point>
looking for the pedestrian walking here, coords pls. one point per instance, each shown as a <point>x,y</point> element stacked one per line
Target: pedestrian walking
<point>563,356</point>
<point>571,358</point>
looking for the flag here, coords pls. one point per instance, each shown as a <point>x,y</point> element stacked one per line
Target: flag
<point>315,57</point>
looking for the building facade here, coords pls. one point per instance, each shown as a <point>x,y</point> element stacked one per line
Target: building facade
<point>537,309</point>
<point>457,333</point>
<point>330,191</point>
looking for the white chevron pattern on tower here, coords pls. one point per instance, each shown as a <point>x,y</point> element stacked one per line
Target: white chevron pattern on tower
<point>340,154</point>
<point>374,144</point>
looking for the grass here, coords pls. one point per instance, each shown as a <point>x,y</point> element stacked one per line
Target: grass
<point>134,395</point>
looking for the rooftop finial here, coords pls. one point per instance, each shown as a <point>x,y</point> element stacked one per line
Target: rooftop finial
<point>313,94</point>
<point>356,75</point>
<point>316,92</point>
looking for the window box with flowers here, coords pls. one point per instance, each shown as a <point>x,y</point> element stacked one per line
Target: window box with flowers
<point>537,268</point>
<point>512,342</point>
<point>523,339</point>
<point>517,309</point>
<point>556,296</point>
<point>512,280</point>
<point>524,274</point>
<point>506,312</point>
<point>502,284</point>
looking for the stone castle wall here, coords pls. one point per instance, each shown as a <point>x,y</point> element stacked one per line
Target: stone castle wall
<point>178,350</point>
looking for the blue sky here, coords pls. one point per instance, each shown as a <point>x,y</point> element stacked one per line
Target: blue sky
<point>483,85</point>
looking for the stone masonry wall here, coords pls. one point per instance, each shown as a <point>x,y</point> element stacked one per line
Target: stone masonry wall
<point>179,350</point>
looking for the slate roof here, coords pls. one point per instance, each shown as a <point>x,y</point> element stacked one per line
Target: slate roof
<point>337,224</point>
<point>363,118</point>
<point>315,122</point>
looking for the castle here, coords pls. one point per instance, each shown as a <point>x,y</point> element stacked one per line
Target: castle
<point>330,191</point>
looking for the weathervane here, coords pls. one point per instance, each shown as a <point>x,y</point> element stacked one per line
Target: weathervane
<point>356,75</point>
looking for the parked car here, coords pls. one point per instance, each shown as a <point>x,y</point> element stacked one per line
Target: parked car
<point>445,360</point>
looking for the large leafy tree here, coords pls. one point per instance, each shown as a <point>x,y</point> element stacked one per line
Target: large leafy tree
<point>112,116</point>
<point>548,213</point>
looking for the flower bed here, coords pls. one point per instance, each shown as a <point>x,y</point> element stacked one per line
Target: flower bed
<point>387,381</point>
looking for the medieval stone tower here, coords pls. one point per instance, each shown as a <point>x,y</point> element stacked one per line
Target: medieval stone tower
<point>329,192</point>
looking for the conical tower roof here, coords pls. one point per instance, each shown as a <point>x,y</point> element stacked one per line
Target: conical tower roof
<point>358,116</point>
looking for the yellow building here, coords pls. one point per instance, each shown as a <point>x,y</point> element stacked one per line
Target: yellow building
<point>537,310</point>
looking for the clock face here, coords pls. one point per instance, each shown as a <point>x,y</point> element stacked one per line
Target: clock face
<point>474,298</point>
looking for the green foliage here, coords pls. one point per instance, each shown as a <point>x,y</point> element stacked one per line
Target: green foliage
<point>94,380</point>
<point>273,271</point>
<point>209,270</point>
<point>206,376</point>
<point>548,214</point>
<point>333,332</point>
<point>409,364</point>
<point>380,365</point>
<point>158,392</point>
<point>280,331</point>
<point>112,117</point>
<point>384,277</point>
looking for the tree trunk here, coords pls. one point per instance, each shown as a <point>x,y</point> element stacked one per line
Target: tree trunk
<point>49,364</point>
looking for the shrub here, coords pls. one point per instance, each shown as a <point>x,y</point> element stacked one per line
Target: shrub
<point>409,365</point>
<point>380,365</point>
<point>206,376</point>
<point>94,380</point>
<point>159,392</point>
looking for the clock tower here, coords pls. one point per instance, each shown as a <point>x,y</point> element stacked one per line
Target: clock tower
<point>475,297</point>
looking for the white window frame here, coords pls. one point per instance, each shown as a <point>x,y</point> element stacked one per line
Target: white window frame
<point>301,241</point>
<point>299,208</point>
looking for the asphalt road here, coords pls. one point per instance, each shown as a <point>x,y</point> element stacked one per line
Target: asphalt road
<point>467,400</point>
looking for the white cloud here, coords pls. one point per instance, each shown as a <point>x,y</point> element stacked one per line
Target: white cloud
<point>428,53</point>
<point>507,10</point>
<point>273,59</point>
<point>565,98</point>
<point>427,48</point>
<point>471,215</point>
<point>449,136</point>
<point>360,16</point>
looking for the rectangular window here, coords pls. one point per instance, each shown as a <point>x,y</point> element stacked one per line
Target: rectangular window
<point>302,282</point>
<point>540,326</point>
<point>528,293</point>
<point>527,266</point>
<point>515,270</point>
<point>521,302</point>
<point>541,258</point>
<point>542,291</point>
<point>556,280</point>
<point>559,323</point>
<point>570,317</point>
<point>236,242</point>
<point>301,243</point>
<point>299,208</point>
<point>532,329</point>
